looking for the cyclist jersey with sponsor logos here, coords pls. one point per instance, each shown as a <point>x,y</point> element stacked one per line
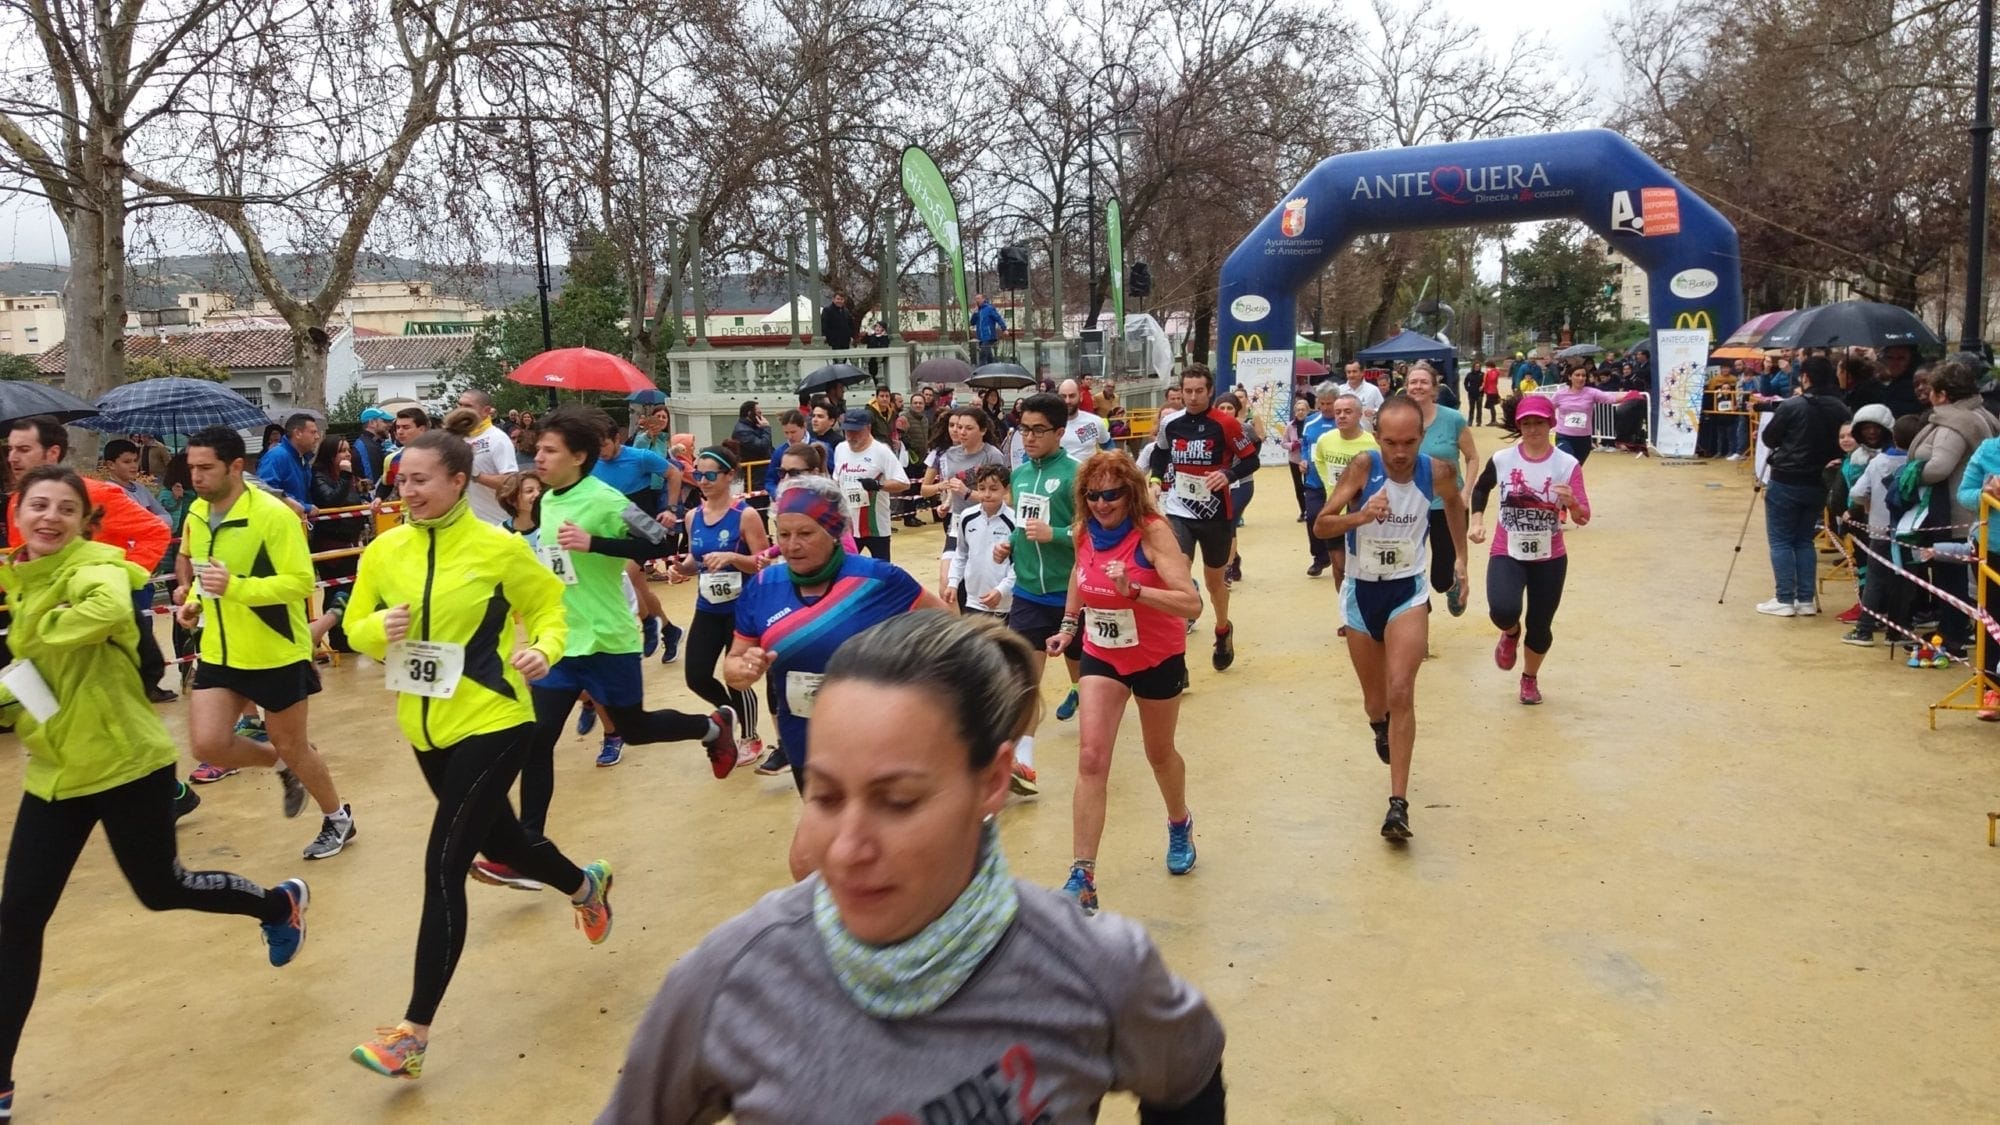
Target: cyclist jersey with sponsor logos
<point>1398,544</point>
<point>1197,445</point>
<point>1529,527</point>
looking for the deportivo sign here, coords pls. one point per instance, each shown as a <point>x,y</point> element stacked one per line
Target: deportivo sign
<point>1450,183</point>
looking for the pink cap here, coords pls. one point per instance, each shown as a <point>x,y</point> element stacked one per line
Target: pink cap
<point>1535,406</point>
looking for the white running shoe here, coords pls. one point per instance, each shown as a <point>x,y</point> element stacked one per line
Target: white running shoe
<point>1805,609</point>
<point>1776,608</point>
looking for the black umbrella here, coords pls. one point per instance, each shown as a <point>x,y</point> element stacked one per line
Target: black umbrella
<point>1579,351</point>
<point>942,369</point>
<point>1849,324</point>
<point>1000,377</point>
<point>25,398</point>
<point>833,374</point>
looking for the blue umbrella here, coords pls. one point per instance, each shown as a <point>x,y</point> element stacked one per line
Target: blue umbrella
<point>648,397</point>
<point>172,406</point>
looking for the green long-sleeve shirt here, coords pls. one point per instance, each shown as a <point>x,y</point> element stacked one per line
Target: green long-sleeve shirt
<point>1041,570</point>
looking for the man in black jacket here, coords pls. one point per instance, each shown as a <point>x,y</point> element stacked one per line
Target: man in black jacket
<point>836,324</point>
<point>1803,436</point>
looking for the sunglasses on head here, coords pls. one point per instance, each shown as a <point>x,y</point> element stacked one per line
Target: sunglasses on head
<point>706,474</point>
<point>1104,495</point>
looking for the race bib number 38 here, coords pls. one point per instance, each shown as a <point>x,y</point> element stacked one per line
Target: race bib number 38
<point>428,668</point>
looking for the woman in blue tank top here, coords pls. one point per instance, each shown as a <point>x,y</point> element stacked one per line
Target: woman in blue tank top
<point>725,536</point>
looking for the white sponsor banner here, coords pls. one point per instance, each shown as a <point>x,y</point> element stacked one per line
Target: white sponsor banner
<point>1682,366</point>
<point>1268,375</point>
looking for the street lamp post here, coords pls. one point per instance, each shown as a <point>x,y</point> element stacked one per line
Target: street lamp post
<point>1969,334</point>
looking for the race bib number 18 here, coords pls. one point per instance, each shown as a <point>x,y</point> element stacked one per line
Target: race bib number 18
<point>1381,557</point>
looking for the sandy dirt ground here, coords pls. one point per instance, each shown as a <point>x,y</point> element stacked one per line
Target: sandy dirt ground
<point>1725,873</point>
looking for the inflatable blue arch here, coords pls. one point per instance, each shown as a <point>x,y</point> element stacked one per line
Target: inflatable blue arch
<point>1686,247</point>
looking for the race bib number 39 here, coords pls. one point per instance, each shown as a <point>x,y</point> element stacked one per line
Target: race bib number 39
<point>559,563</point>
<point>428,668</point>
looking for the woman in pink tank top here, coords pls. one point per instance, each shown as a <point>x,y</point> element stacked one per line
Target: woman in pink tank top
<point>1130,598</point>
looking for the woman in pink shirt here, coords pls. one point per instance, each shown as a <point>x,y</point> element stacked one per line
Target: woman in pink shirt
<point>1574,404</point>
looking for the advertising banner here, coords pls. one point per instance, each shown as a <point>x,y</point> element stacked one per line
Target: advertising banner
<point>1682,369</point>
<point>1114,248</point>
<point>931,196</point>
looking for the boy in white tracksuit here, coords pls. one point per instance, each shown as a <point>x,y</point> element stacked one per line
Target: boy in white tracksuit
<point>984,586</point>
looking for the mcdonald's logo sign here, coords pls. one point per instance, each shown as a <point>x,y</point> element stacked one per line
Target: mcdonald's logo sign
<point>1245,342</point>
<point>1699,318</point>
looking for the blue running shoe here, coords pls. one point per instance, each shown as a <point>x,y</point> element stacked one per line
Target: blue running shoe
<point>1180,846</point>
<point>613,751</point>
<point>284,938</point>
<point>252,728</point>
<point>1066,710</point>
<point>650,629</point>
<point>586,720</point>
<point>670,643</point>
<point>1082,887</point>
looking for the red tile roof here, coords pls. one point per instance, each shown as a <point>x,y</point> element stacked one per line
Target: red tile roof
<point>411,353</point>
<point>244,348</point>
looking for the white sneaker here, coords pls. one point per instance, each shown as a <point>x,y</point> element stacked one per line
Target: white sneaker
<point>1776,608</point>
<point>1734,457</point>
<point>1805,609</point>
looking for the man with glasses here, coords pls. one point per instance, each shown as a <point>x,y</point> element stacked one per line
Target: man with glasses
<point>492,459</point>
<point>1042,550</point>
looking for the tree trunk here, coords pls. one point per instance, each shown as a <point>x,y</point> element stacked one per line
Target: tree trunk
<point>94,296</point>
<point>310,343</point>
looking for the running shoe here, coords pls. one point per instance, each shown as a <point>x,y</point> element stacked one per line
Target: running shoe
<point>612,752</point>
<point>1531,692</point>
<point>593,914</point>
<point>722,751</point>
<point>586,721</point>
<point>1381,742</point>
<point>1507,651</point>
<point>1316,569</point>
<point>1233,573</point>
<point>1989,706</point>
<point>748,750</point>
<point>252,728</point>
<point>1180,846</point>
<point>1454,598</point>
<point>284,938</point>
<point>1396,826</point>
<point>1024,783</point>
<point>1225,649</point>
<point>395,1052</point>
<point>1066,710</point>
<point>161,695</point>
<point>650,630</point>
<point>205,774</point>
<point>501,875</point>
<point>6,1104</point>
<point>185,801</point>
<point>1778,608</point>
<point>335,833</point>
<point>1082,887</point>
<point>1851,614</point>
<point>1858,637</point>
<point>1805,609</point>
<point>775,763</point>
<point>670,643</point>
<point>1925,626</point>
<point>293,792</point>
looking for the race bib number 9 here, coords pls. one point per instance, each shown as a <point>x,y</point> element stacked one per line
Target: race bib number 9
<point>1032,506</point>
<point>801,690</point>
<point>1111,628</point>
<point>719,586</point>
<point>427,668</point>
<point>1188,486</point>
<point>559,563</point>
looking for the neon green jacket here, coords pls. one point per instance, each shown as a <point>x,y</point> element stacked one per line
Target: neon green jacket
<point>465,582</point>
<point>260,619</point>
<point>73,621</point>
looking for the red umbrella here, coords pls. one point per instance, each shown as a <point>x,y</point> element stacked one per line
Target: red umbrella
<point>581,369</point>
<point>1302,365</point>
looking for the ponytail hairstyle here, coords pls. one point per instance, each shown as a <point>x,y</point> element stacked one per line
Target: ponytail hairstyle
<point>980,670</point>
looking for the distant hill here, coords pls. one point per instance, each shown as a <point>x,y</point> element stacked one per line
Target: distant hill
<point>153,283</point>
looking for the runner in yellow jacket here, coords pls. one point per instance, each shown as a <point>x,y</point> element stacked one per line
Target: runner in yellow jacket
<point>436,601</point>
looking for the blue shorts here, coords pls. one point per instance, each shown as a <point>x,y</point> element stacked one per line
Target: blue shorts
<point>611,678</point>
<point>1370,606</point>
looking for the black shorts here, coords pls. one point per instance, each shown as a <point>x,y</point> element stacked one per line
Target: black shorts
<point>1034,621</point>
<point>1214,536</point>
<point>1165,680</point>
<point>273,689</point>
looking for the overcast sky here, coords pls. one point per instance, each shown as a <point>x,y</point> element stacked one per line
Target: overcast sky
<point>1578,33</point>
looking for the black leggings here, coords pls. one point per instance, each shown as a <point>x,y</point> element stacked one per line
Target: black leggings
<point>1444,555</point>
<point>1576,445</point>
<point>635,725</point>
<point>708,638</point>
<point>138,819</point>
<point>470,780</point>
<point>1509,580</point>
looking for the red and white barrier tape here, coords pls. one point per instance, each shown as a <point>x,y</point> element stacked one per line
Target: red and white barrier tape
<point>1972,611</point>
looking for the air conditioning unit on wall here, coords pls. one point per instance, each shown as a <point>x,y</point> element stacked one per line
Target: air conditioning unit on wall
<point>279,384</point>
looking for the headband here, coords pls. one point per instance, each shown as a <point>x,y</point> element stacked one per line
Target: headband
<point>720,456</point>
<point>807,502</point>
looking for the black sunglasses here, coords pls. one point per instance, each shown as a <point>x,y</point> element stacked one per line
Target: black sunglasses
<point>1104,495</point>
<point>791,472</point>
